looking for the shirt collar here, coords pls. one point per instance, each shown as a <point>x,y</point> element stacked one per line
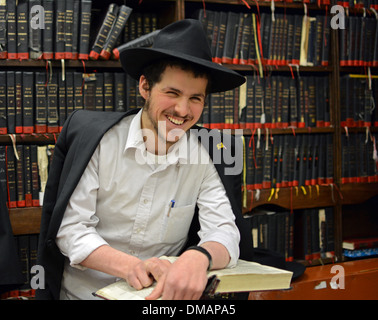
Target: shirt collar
<point>178,153</point>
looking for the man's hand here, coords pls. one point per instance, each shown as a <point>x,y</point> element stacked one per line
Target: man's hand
<point>185,279</point>
<point>144,273</point>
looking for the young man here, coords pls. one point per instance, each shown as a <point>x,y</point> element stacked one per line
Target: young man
<point>132,195</point>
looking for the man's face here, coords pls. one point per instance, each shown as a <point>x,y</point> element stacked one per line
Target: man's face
<point>173,105</point>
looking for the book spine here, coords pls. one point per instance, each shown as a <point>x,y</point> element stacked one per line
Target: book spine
<point>11,102</point>
<point>85,24</point>
<point>12,29</point>
<point>22,30</point>
<point>28,102</point>
<point>108,92</point>
<point>62,100</point>
<point>221,37</point>
<point>11,177</point>
<point>119,91</point>
<point>20,177</point>
<point>18,99</point>
<point>60,18</point>
<point>68,29</point>
<point>3,103</point>
<point>104,31</point>
<point>48,31</point>
<point>119,25</point>
<point>34,175</point>
<point>3,31</point>
<point>89,92</point>
<point>99,93</point>
<point>35,29</point>
<point>75,30</point>
<point>40,103</point>
<point>27,176</point>
<point>52,104</point>
<point>69,93</point>
<point>78,82</point>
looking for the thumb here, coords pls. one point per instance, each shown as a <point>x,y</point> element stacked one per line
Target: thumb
<point>158,290</point>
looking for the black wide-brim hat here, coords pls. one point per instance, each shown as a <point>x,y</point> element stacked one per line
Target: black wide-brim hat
<point>185,40</point>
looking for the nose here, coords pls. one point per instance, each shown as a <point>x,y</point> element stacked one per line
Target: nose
<point>182,107</point>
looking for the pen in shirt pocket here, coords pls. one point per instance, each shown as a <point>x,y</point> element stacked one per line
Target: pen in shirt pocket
<point>171,205</point>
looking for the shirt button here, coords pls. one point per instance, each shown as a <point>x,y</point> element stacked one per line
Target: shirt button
<point>145,201</point>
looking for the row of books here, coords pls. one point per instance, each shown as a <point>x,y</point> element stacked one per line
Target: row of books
<point>70,29</point>
<point>40,102</point>
<point>358,101</point>
<point>45,29</point>
<point>238,38</point>
<point>27,246</point>
<point>360,247</point>
<point>306,234</point>
<point>358,4</point>
<point>271,102</point>
<point>359,41</point>
<point>23,173</point>
<point>286,161</point>
<point>358,158</point>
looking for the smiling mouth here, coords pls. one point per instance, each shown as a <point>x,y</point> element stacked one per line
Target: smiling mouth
<point>175,121</point>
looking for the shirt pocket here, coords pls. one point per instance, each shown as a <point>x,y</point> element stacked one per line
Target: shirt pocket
<point>176,225</point>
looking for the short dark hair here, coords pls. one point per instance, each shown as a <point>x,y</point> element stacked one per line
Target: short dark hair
<point>153,71</point>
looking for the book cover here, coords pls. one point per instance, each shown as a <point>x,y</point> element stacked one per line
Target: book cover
<point>246,276</point>
<point>85,25</point>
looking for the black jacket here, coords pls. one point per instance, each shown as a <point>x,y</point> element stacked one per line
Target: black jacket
<point>78,140</point>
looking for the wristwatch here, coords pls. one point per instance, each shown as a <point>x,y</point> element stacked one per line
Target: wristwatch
<point>205,252</point>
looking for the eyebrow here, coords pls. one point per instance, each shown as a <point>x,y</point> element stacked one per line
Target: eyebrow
<point>179,91</point>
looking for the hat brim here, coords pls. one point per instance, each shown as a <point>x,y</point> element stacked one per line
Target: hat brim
<point>134,60</point>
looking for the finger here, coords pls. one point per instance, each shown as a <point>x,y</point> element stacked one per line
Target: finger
<point>157,292</point>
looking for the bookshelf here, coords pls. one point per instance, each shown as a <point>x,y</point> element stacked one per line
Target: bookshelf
<point>342,197</point>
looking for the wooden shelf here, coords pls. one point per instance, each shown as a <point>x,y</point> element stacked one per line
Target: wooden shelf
<point>354,193</point>
<point>58,63</point>
<point>25,220</point>
<point>34,138</point>
<point>293,197</point>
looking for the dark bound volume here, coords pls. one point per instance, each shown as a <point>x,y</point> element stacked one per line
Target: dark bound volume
<point>119,25</point>
<point>28,102</point>
<point>20,176</point>
<point>11,102</point>
<point>34,175</point>
<point>99,94</point>
<point>3,30</point>
<point>18,99</point>
<point>75,30</point>
<point>60,14</point>
<point>12,29</point>
<point>22,30</point>
<point>40,103</point>
<point>85,25</point>
<point>35,33</point>
<point>68,29</point>
<point>108,92</point>
<point>3,102</point>
<point>221,37</point>
<point>27,176</point>
<point>230,36</point>
<point>69,93</point>
<point>89,91</point>
<point>11,175</point>
<point>62,100</point>
<point>52,104</point>
<point>48,45</point>
<point>119,92</point>
<point>104,31</point>
<point>238,39</point>
<point>78,82</point>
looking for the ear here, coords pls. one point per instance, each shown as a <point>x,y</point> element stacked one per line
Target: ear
<point>143,87</point>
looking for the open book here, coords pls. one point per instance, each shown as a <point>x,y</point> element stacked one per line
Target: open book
<point>246,276</point>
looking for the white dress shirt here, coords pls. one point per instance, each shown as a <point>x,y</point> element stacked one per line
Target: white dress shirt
<point>123,200</point>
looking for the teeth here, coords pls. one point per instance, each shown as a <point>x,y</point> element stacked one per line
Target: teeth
<point>175,121</point>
